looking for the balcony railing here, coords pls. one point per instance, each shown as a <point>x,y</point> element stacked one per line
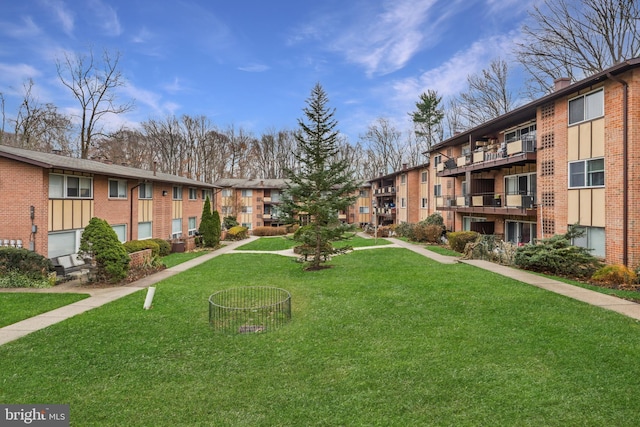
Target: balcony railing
<point>493,200</point>
<point>385,190</point>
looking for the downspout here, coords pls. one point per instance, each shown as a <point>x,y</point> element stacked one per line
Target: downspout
<point>625,172</point>
<point>131,211</point>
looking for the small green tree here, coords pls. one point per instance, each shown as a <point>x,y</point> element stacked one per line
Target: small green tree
<point>323,186</point>
<point>217,228</point>
<point>427,119</point>
<point>229,222</point>
<point>100,243</point>
<point>207,229</point>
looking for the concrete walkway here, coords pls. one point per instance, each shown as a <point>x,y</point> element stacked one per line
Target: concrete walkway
<point>103,296</point>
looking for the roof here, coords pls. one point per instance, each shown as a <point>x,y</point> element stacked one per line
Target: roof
<point>55,161</point>
<point>251,183</point>
<point>528,111</point>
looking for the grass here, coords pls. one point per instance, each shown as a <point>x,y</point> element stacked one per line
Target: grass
<point>17,306</point>
<point>443,251</point>
<point>282,243</point>
<point>384,338</point>
<point>180,257</point>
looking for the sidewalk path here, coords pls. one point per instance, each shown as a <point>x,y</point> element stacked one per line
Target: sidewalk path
<point>103,296</point>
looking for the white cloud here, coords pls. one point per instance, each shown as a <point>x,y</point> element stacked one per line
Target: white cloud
<point>254,68</point>
<point>24,30</point>
<point>13,76</point>
<point>107,17</point>
<point>64,16</point>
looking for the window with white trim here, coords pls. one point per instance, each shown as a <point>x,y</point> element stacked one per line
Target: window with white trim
<point>586,107</point>
<point>592,239</point>
<point>403,179</point>
<point>145,191</point>
<point>246,209</point>
<point>121,232</point>
<point>206,193</point>
<point>424,203</point>
<point>437,190</point>
<point>117,188</point>
<point>247,225</point>
<point>70,187</point>
<point>193,194</point>
<point>226,192</point>
<point>247,193</point>
<point>145,230</point>
<point>226,210</point>
<point>176,228</point>
<point>586,173</point>
<point>192,226</point>
<point>177,193</point>
<point>363,209</point>
<point>423,177</point>
<point>403,202</point>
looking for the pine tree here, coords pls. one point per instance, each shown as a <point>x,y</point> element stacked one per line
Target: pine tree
<point>323,186</point>
<point>217,227</point>
<point>427,119</point>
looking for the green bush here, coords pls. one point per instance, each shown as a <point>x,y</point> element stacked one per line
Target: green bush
<point>430,233</point>
<point>459,239</point>
<point>556,255</point>
<point>16,279</point>
<point>101,243</point>
<point>229,222</point>
<point>404,229</point>
<point>614,276</point>
<point>164,245</point>
<point>207,230</point>
<point>269,231</point>
<point>140,245</point>
<point>435,219</point>
<point>27,263</point>
<point>237,233</point>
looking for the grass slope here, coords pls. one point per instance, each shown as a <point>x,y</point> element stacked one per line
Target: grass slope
<point>18,306</point>
<point>385,338</point>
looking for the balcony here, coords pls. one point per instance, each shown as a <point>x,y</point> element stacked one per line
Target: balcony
<point>494,156</point>
<point>489,203</point>
<point>385,190</point>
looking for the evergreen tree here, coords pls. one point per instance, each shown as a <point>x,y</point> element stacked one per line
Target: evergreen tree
<point>323,186</point>
<point>217,227</point>
<point>427,119</point>
<point>206,229</point>
<point>101,243</point>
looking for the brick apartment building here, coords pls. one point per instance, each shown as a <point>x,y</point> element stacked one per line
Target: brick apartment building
<point>48,199</point>
<point>571,157</point>
<point>256,202</point>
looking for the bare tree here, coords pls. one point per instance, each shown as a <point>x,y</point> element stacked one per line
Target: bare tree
<point>126,147</point>
<point>577,38</point>
<point>94,85</point>
<point>167,140</point>
<point>385,144</point>
<point>40,127</point>
<point>487,95</point>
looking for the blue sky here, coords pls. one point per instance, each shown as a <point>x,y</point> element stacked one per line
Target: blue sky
<point>252,64</point>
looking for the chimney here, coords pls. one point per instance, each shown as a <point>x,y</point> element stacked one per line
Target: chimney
<point>155,166</point>
<point>561,83</point>
<point>404,166</point>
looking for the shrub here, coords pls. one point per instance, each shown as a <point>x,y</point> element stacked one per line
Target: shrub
<point>16,279</point>
<point>140,245</point>
<point>229,222</point>
<point>23,261</point>
<point>435,219</point>
<point>207,229</point>
<point>431,233</point>
<point>556,255</point>
<point>459,239</point>
<point>490,248</point>
<point>405,229</point>
<point>269,231</point>
<point>165,246</point>
<point>237,233</point>
<point>614,276</point>
<point>101,243</point>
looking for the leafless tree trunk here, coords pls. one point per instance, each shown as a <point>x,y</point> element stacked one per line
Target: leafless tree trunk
<point>384,141</point>
<point>577,38</point>
<point>167,141</point>
<point>94,86</point>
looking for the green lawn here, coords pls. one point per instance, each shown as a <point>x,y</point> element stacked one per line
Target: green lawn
<point>384,338</point>
<point>283,243</point>
<point>180,257</point>
<point>18,306</point>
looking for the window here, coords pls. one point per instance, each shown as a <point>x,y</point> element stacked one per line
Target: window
<point>364,193</point>
<point>524,184</point>
<point>437,190</point>
<point>192,226</point>
<point>423,177</point>
<point>275,196</point>
<point>145,191</point>
<point>403,179</point>
<point>69,186</point>
<point>437,160</point>
<point>247,193</point>
<point>403,202</point>
<point>144,230</point>
<point>121,232</point>
<point>520,133</point>
<point>424,203</point>
<point>246,209</point>
<point>62,243</point>
<point>586,173</point>
<point>226,192</point>
<point>364,209</point>
<point>247,225</point>
<point>206,193</point>
<point>177,193</point>
<point>520,233</point>
<point>226,210</point>
<point>193,194</point>
<point>586,107</point>
<point>593,239</point>
<point>117,189</point>
<point>176,228</point>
